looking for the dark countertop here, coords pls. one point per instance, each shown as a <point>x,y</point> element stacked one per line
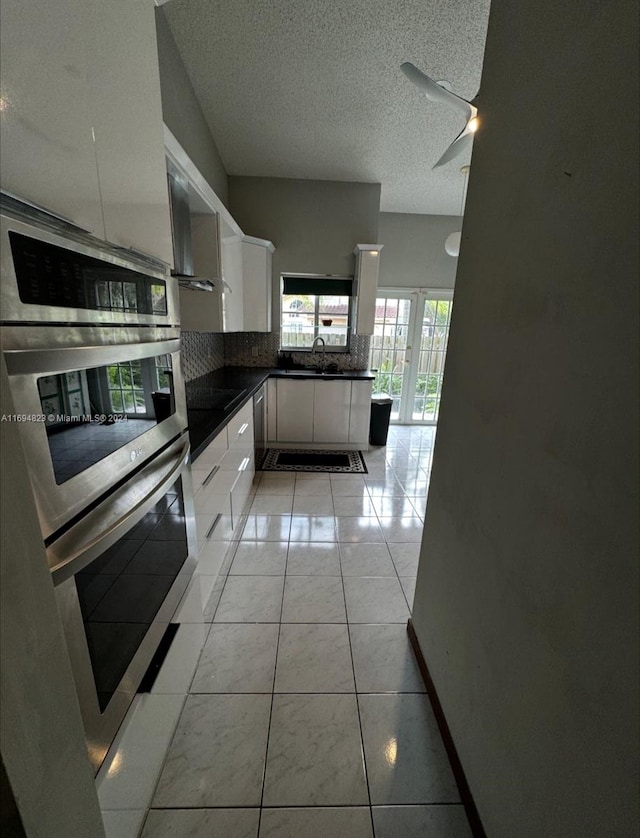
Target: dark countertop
<point>204,425</point>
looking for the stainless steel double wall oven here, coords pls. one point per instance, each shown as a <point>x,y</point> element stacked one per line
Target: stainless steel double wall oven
<point>91,340</point>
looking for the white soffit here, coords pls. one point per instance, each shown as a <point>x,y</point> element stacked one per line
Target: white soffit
<point>313,89</point>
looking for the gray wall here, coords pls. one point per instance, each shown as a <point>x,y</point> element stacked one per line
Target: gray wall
<point>413,255</point>
<point>526,605</point>
<point>314,224</point>
<point>43,746</point>
<point>182,113</point>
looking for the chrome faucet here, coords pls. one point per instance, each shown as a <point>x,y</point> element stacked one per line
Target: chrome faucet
<point>313,350</point>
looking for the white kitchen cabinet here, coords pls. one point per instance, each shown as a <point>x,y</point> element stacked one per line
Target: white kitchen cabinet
<point>257,292</point>
<point>81,119</point>
<point>223,477</point>
<point>211,488</point>
<point>231,265</point>
<point>48,154</point>
<point>272,409</point>
<point>124,81</point>
<point>240,459</point>
<point>360,413</point>
<point>331,409</point>
<point>294,410</point>
<point>324,412</point>
<point>367,270</point>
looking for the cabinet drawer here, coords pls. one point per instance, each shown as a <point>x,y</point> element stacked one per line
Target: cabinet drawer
<point>214,527</point>
<point>212,456</point>
<point>214,496</point>
<point>240,428</point>
<point>241,491</point>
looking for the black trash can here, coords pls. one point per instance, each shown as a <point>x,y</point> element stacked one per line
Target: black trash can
<point>380,416</point>
<point>161,404</point>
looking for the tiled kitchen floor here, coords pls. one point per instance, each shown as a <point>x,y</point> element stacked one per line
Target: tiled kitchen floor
<point>290,704</point>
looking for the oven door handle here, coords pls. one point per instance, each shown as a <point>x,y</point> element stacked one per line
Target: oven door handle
<point>117,514</point>
<point>70,358</point>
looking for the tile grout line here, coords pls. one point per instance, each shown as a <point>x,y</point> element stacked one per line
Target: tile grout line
<point>355,686</point>
<point>273,691</point>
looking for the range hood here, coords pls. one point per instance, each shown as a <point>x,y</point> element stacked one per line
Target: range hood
<point>183,250</point>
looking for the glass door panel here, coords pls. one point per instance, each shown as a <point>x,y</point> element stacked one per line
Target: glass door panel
<point>408,350</point>
<point>390,349</point>
<point>432,346</point>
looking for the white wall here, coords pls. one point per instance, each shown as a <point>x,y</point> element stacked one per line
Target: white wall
<point>526,605</point>
<point>314,224</point>
<point>414,254</point>
<point>43,745</point>
<point>182,113</point>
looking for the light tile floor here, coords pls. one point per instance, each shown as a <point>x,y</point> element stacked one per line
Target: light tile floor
<point>290,704</point>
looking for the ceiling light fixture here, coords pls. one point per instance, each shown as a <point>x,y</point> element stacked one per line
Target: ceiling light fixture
<point>452,244</point>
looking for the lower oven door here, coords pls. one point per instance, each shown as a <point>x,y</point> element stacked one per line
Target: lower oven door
<point>119,574</point>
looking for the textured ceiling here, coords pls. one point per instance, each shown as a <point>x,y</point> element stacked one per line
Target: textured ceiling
<point>313,88</point>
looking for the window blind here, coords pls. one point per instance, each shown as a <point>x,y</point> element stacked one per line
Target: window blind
<point>319,285</point>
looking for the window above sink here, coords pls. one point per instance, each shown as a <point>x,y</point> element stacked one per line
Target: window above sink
<point>316,307</point>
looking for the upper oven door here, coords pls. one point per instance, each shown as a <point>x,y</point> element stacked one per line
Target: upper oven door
<point>91,414</point>
<point>50,278</point>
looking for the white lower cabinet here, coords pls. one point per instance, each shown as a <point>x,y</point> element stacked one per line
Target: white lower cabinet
<point>239,462</point>
<point>360,413</point>
<point>331,409</point>
<point>294,410</point>
<point>222,479</point>
<point>328,412</point>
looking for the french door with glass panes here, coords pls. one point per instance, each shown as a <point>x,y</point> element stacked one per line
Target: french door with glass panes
<point>408,349</point>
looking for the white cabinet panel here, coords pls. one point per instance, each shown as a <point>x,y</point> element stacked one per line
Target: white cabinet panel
<point>332,403</point>
<point>256,273</point>
<point>360,412</point>
<point>240,433</point>
<point>127,116</point>
<point>231,264</point>
<point>241,490</point>
<point>272,402</point>
<point>294,410</point>
<point>213,453</point>
<point>82,131</point>
<point>48,154</point>
<point>367,269</point>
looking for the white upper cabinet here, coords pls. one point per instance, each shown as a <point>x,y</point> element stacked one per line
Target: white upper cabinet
<point>81,118</point>
<point>127,117</point>
<point>367,269</point>
<point>48,154</point>
<point>231,254</point>
<point>256,277</point>
<point>246,270</point>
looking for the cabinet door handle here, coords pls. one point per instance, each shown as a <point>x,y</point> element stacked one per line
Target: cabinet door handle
<point>216,521</point>
<point>211,475</point>
<point>243,465</point>
<point>243,428</point>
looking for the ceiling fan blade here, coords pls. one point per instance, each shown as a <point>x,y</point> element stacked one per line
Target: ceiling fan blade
<point>461,143</point>
<point>434,91</point>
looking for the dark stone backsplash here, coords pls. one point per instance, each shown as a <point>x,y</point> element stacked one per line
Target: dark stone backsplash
<point>203,352</point>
